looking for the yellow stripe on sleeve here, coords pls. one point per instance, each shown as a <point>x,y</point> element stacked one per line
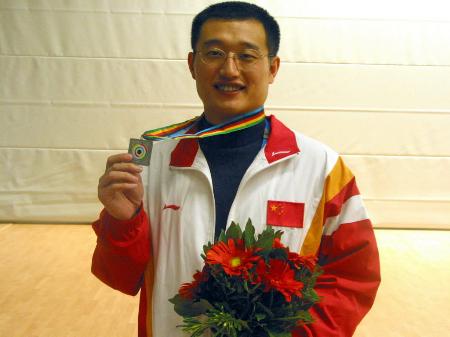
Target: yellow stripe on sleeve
<point>338,178</point>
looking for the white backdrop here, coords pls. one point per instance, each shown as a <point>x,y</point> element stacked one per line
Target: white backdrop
<point>79,78</point>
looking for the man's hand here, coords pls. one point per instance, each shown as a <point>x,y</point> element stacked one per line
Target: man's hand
<point>120,188</point>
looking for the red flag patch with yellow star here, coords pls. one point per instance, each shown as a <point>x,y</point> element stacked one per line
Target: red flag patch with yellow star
<point>285,213</point>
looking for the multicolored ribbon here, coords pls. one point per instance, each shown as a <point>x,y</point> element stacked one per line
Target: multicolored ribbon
<point>177,131</point>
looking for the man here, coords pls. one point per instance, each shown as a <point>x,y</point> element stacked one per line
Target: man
<point>194,188</point>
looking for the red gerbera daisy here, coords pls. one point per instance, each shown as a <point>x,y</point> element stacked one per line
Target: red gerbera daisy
<point>234,258</point>
<point>188,290</point>
<point>309,261</point>
<point>279,276</point>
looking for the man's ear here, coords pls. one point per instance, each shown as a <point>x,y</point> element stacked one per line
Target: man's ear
<point>191,57</point>
<point>273,68</point>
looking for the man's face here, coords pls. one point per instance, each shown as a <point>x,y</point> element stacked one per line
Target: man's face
<point>226,89</point>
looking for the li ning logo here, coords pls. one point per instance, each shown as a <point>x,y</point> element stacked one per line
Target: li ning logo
<point>279,152</point>
<point>171,206</point>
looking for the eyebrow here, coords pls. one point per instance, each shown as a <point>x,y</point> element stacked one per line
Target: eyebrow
<point>213,42</point>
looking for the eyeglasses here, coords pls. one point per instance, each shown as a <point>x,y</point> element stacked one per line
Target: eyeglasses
<point>244,59</point>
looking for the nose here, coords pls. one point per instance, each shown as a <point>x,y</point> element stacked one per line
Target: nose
<point>230,67</point>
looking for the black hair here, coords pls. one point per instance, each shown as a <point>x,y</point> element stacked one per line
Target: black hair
<point>238,10</point>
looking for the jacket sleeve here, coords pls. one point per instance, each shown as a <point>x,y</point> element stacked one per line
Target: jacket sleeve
<point>348,285</point>
<point>348,254</point>
<point>122,251</point>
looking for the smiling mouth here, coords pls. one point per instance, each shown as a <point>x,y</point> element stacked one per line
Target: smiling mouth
<point>229,87</point>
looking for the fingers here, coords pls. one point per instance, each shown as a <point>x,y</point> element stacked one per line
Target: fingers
<point>125,167</point>
<point>118,158</point>
<point>120,187</point>
<point>120,172</point>
<point>114,177</point>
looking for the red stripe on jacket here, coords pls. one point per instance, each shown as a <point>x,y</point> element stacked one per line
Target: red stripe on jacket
<point>349,258</point>
<point>333,207</point>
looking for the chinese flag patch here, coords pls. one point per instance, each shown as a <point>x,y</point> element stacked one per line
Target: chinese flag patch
<point>285,213</point>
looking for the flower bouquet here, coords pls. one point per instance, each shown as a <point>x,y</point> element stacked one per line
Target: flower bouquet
<point>249,287</point>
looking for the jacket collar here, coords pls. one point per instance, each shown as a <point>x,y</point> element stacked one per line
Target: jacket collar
<point>281,143</point>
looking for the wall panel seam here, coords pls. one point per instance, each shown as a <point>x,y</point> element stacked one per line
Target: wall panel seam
<point>150,59</point>
<point>406,200</point>
<point>398,156</point>
<point>269,108</point>
<point>191,14</point>
<point>75,57</point>
<point>343,154</point>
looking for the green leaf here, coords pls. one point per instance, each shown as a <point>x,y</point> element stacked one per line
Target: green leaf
<point>311,295</point>
<point>265,239</point>
<point>301,315</point>
<point>245,285</point>
<point>207,247</point>
<point>279,234</point>
<point>265,309</point>
<point>223,323</point>
<point>260,317</point>
<point>193,326</point>
<point>234,231</point>
<point>189,308</point>
<point>249,234</point>
<point>222,237</point>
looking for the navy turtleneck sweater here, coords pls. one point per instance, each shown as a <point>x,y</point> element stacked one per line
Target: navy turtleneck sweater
<point>229,156</point>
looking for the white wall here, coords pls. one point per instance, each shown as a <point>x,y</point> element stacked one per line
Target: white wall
<point>79,78</point>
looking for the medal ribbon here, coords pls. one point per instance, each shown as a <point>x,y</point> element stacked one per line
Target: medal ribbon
<point>177,131</point>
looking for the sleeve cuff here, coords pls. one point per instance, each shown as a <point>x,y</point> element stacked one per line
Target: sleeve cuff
<point>119,232</point>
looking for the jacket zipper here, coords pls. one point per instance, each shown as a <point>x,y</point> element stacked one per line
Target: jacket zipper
<point>213,206</point>
<point>249,174</point>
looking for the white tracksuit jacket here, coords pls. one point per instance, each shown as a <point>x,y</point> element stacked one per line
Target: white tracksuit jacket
<point>291,171</point>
